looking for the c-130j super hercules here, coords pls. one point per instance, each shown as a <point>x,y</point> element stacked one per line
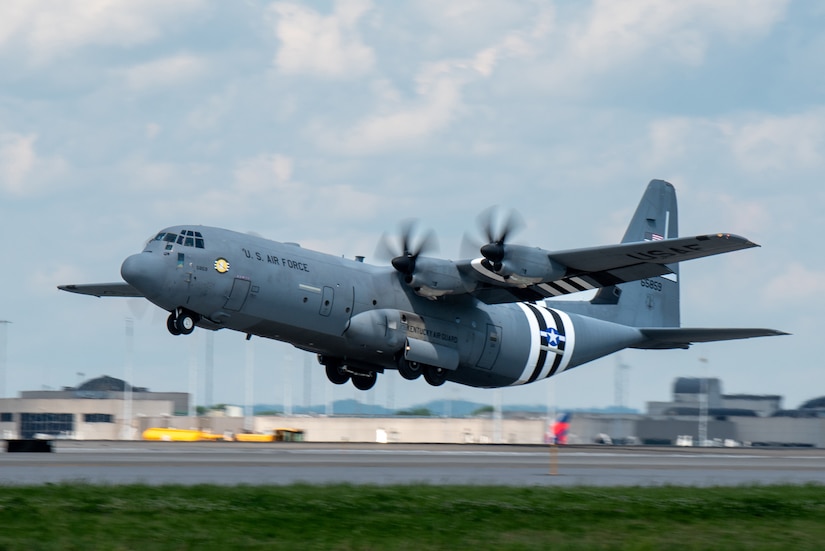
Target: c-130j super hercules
<point>488,322</point>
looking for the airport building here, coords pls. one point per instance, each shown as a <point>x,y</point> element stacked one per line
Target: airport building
<point>104,408</point>
<point>700,411</point>
<point>108,409</point>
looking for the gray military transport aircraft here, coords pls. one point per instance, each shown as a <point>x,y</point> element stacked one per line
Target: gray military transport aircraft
<point>490,321</point>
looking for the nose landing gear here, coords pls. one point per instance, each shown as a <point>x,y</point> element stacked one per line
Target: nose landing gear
<point>181,322</point>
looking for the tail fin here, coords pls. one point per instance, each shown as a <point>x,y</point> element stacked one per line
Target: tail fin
<point>650,302</point>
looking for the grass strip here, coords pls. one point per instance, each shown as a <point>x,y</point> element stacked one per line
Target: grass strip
<point>83,516</point>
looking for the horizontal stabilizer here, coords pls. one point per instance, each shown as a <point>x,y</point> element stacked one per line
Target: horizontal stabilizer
<point>683,337</point>
<point>121,289</point>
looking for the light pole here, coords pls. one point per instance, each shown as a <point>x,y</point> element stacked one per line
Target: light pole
<point>127,383</point>
<point>3,340</point>
<point>703,403</point>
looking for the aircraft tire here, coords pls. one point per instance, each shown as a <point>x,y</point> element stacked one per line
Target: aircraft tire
<point>172,324</point>
<point>409,370</point>
<point>335,374</point>
<point>185,323</point>
<point>366,381</point>
<point>435,375</point>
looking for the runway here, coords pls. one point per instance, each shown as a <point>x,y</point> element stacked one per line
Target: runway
<point>222,463</point>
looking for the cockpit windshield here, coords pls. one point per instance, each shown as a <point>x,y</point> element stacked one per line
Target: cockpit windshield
<point>187,238</point>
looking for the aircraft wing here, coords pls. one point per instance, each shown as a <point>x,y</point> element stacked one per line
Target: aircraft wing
<point>682,337</point>
<point>597,267</point>
<point>120,289</point>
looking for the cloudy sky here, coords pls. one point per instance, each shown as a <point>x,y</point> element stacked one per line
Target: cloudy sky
<point>325,123</point>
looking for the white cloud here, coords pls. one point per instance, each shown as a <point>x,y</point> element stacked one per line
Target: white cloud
<point>744,215</point>
<point>432,112</point>
<point>776,143</point>
<point>17,158</point>
<point>615,31</point>
<point>22,171</point>
<point>262,187</point>
<point>50,30</point>
<point>161,73</point>
<point>756,142</point>
<point>152,130</point>
<point>265,173</point>
<point>796,283</point>
<point>328,46</point>
<point>396,123</point>
<point>270,176</point>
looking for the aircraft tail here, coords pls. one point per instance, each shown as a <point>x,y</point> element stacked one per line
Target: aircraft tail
<point>652,302</point>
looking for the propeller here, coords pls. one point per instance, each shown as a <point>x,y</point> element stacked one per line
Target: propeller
<point>496,228</point>
<point>405,253</point>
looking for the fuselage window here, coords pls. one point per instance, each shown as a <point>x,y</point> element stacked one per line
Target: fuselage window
<point>187,238</point>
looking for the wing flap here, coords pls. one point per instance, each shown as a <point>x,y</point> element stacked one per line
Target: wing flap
<point>119,289</point>
<point>682,337</point>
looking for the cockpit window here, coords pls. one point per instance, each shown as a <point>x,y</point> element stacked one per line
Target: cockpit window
<point>187,238</point>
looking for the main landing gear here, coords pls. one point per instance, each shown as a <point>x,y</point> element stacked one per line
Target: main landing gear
<point>181,322</point>
<point>339,374</point>
<point>411,371</point>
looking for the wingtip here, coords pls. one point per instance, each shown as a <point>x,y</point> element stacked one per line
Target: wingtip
<point>747,243</point>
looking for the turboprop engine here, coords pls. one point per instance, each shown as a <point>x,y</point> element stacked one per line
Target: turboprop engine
<point>525,266</point>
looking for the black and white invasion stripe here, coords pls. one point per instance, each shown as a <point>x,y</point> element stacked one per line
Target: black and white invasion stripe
<point>552,340</point>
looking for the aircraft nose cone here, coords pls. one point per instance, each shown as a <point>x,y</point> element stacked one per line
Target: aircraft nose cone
<point>142,271</point>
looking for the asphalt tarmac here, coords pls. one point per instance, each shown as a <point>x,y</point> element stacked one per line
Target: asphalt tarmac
<point>224,463</point>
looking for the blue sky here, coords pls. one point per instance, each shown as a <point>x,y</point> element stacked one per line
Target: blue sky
<point>325,123</point>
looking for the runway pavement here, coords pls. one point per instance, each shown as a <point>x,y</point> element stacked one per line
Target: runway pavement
<point>286,463</point>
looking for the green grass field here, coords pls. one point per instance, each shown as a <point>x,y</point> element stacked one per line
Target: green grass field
<point>80,516</point>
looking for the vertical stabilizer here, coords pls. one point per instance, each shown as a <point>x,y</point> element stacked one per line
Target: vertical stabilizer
<point>650,302</point>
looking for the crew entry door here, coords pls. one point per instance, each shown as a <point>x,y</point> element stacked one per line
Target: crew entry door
<point>237,296</point>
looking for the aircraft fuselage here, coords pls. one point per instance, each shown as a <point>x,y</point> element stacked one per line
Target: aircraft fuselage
<point>490,321</point>
<point>364,317</point>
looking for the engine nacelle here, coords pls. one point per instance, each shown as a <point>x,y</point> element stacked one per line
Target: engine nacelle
<point>525,266</point>
<point>434,278</point>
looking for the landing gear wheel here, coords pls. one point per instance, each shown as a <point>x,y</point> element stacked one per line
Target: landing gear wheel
<point>336,374</point>
<point>172,324</point>
<point>366,381</point>
<point>185,323</point>
<point>409,370</point>
<point>435,375</point>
